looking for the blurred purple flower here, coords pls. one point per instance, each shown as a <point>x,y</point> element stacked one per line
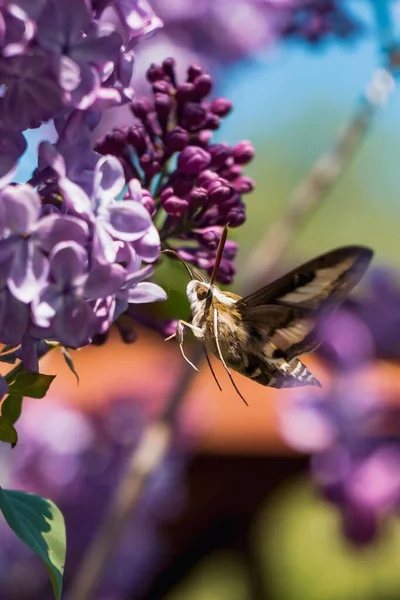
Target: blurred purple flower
<point>351,432</point>
<point>76,459</point>
<point>365,327</point>
<point>220,33</point>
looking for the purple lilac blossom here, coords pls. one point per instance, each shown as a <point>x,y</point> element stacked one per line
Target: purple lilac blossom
<point>379,313</point>
<point>200,191</point>
<point>351,432</point>
<point>70,254</point>
<point>76,459</point>
<point>220,33</point>
<point>75,239</point>
<point>57,56</point>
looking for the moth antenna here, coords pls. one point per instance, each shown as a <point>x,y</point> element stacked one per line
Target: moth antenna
<point>220,250</point>
<point>174,253</point>
<point>211,368</point>
<point>222,358</point>
<point>199,275</point>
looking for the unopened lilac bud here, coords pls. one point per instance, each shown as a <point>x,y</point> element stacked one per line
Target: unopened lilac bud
<point>243,152</point>
<point>175,206</point>
<point>162,87</point>
<point>167,193</point>
<point>206,178</point>
<point>184,92</point>
<point>219,191</point>
<point>168,66</point>
<point>114,143</point>
<point>126,331</point>
<point>149,165</point>
<point>202,138</point>
<point>162,105</point>
<point>176,139</point>
<point>243,184</point>
<point>226,272</point>
<point>221,106</point>
<point>234,172</point>
<point>154,73</point>
<point>236,217</point>
<point>194,115</point>
<point>192,160</point>
<point>209,237</point>
<point>219,154</point>
<point>198,197</point>
<point>203,85</point>
<point>148,202</point>
<point>141,107</point>
<point>182,184</point>
<point>194,71</point>
<point>136,137</point>
<point>212,122</point>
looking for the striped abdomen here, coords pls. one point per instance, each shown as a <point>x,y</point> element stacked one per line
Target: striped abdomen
<point>279,373</point>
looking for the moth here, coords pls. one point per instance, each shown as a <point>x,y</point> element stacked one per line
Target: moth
<point>263,334</point>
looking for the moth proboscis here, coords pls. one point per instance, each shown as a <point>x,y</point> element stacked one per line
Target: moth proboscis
<point>262,335</point>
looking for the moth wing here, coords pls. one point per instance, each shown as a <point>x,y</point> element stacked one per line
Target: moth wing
<point>281,331</point>
<point>282,315</point>
<point>328,277</point>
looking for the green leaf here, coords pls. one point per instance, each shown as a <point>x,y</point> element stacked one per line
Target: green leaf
<point>69,361</point>
<point>8,432</point>
<point>11,408</point>
<point>33,385</point>
<point>40,524</point>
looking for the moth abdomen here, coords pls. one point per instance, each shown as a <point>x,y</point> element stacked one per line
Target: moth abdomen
<point>278,373</point>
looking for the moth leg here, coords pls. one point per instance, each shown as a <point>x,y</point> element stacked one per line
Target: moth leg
<point>222,358</point>
<point>195,330</point>
<point>211,368</point>
<point>179,333</point>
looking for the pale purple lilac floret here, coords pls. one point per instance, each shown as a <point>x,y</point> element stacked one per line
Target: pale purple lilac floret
<point>57,56</point>
<point>68,274</point>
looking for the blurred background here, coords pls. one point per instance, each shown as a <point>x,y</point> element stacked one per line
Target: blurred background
<point>234,512</point>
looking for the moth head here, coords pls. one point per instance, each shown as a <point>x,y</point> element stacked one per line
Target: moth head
<point>198,292</point>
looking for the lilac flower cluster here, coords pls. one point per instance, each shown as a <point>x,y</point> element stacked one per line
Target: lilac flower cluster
<point>76,459</point>
<point>314,21</point>
<point>70,253</point>
<point>68,271</point>
<point>197,186</point>
<point>351,431</point>
<point>60,56</point>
